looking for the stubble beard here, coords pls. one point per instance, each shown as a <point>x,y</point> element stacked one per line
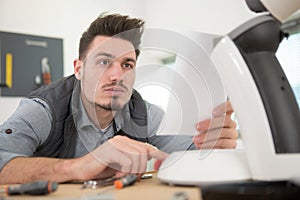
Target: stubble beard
<point>114,105</point>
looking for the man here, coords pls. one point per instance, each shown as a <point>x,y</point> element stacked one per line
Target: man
<point>93,124</point>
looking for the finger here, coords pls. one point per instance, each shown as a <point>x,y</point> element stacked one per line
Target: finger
<point>139,156</point>
<point>108,172</point>
<point>225,122</point>
<point>128,145</point>
<point>101,159</point>
<point>138,152</point>
<point>135,158</point>
<point>120,174</point>
<point>122,162</point>
<point>219,144</point>
<point>110,155</point>
<point>218,122</point>
<point>143,163</point>
<point>126,165</point>
<point>215,135</point>
<point>224,108</point>
<point>155,153</point>
<point>134,153</point>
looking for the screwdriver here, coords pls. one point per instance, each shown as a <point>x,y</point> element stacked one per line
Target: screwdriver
<point>32,188</point>
<point>125,181</point>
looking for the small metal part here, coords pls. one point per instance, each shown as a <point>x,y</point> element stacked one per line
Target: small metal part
<point>93,184</point>
<point>147,176</point>
<point>180,196</point>
<point>89,184</point>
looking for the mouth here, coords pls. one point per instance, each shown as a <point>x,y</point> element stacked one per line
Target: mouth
<point>115,90</point>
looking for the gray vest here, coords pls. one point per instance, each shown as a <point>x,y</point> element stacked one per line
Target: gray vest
<point>62,139</point>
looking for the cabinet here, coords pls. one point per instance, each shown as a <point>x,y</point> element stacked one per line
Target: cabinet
<point>28,62</point>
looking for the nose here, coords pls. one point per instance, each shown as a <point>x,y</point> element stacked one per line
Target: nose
<point>116,72</point>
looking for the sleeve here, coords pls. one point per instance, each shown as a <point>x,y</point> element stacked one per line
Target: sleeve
<point>166,143</point>
<point>27,128</point>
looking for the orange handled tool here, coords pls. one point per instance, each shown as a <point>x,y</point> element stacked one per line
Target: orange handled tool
<point>125,181</point>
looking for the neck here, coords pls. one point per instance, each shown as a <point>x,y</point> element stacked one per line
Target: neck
<point>100,117</point>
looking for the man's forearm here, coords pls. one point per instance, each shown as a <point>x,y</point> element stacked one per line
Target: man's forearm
<point>21,170</point>
<point>119,154</point>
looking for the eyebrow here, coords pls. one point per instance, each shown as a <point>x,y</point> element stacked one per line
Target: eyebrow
<point>127,59</point>
<point>104,54</point>
<point>130,60</point>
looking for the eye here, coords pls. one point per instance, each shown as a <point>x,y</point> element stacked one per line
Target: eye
<point>128,65</point>
<point>104,62</point>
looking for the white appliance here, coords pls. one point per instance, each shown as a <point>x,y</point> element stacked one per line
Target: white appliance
<point>264,104</point>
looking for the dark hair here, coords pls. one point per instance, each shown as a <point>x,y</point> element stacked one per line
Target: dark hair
<point>120,26</point>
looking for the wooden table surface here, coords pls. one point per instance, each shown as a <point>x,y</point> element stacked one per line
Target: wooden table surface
<point>147,189</point>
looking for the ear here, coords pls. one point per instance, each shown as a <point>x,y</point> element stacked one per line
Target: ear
<point>78,69</point>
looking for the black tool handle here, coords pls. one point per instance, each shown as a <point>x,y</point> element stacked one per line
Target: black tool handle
<point>33,188</point>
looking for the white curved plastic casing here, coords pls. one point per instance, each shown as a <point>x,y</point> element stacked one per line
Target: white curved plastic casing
<point>196,167</point>
<point>256,134</point>
<point>258,160</point>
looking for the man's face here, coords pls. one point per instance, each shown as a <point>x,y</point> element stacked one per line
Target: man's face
<point>107,74</point>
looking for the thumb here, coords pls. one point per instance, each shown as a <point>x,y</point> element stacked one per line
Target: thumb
<point>222,109</point>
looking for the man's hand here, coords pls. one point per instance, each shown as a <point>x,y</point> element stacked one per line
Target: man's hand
<point>118,156</point>
<point>219,131</point>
